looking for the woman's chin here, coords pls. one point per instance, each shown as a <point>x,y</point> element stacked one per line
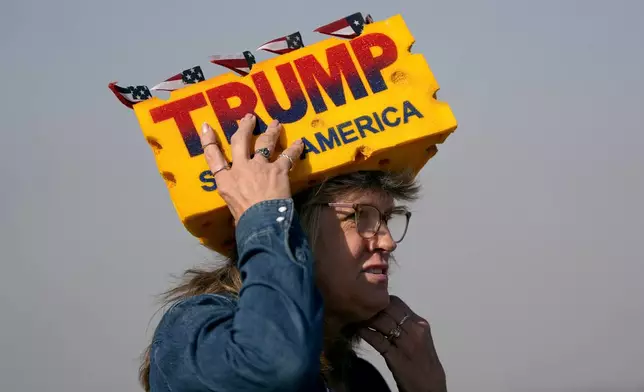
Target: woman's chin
<point>364,303</point>
<point>375,302</point>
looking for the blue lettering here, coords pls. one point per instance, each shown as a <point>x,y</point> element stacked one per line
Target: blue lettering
<point>374,123</point>
<point>364,122</point>
<point>380,126</point>
<point>206,177</point>
<point>410,110</point>
<point>330,142</point>
<point>308,147</point>
<point>344,134</point>
<point>386,120</point>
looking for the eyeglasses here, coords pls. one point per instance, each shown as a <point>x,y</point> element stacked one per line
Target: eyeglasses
<point>368,219</point>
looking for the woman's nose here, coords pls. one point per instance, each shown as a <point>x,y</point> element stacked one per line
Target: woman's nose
<point>384,240</point>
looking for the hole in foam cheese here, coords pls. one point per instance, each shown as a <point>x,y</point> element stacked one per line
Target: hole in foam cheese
<point>362,153</point>
<point>170,179</point>
<point>155,145</point>
<point>398,77</point>
<point>355,103</point>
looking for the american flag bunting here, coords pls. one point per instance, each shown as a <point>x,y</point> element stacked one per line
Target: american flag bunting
<point>349,27</point>
<point>284,44</point>
<point>240,63</point>
<point>189,76</point>
<point>130,95</point>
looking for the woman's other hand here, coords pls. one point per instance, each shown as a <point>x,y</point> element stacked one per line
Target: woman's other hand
<point>250,180</point>
<point>404,339</point>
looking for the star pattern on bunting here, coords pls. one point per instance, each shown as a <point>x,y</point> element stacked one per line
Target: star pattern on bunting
<point>140,92</point>
<point>192,75</point>
<point>294,41</point>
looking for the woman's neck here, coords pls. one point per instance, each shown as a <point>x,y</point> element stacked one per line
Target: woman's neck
<point>333,326</point>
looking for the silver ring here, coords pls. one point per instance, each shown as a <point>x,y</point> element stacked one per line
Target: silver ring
<point>265,152</point>
<point>394,333</point>
<point>403,320</point>
<point>220,169</point>
<point>290,160</point>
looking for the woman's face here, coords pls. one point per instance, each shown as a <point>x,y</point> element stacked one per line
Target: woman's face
<point>352,271</point>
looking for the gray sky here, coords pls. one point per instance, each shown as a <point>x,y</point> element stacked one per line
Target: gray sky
<point>525,252</point>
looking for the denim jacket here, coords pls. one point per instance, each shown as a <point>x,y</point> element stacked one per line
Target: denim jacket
<point>270,339</point>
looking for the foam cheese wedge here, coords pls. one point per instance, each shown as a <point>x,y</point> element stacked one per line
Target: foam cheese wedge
<point>362,104</point>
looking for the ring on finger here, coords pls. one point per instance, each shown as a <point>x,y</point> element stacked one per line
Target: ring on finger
<point>403,320</point>
<point>394,333</point>
<point>221,169</point>
<point>208,144</point>
<point>283,155</point>
<point>265,152</point>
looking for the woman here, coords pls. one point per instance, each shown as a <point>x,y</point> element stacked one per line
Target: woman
<point>276,318</point>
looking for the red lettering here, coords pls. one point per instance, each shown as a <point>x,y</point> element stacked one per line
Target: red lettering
<point>340,64</point>
<point>371,66</point>
<point>293,90</point>
<point>180,112</point>
<point>226,114</point>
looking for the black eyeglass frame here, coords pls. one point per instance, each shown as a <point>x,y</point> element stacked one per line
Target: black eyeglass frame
<point>383,216</point>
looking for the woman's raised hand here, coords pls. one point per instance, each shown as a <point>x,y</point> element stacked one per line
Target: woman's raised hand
<point>405,341</point>
<point>250,180</point>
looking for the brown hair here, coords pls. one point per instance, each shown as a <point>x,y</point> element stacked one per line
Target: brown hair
<point>225,278</point>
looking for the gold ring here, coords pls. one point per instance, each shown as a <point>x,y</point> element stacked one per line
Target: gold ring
<point>208,144</point>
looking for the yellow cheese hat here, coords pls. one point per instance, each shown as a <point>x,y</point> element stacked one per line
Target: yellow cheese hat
<point>360,100</point>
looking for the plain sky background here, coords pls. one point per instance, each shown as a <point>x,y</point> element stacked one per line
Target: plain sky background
<point>525,253</point>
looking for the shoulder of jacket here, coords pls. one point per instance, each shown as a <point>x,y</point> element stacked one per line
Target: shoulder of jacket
<point>187,308</point>
<point>218,299</point>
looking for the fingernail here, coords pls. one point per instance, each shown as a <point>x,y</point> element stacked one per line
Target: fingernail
<point>299,141</point>
<point>205,128</point>
<point>274,123</point>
